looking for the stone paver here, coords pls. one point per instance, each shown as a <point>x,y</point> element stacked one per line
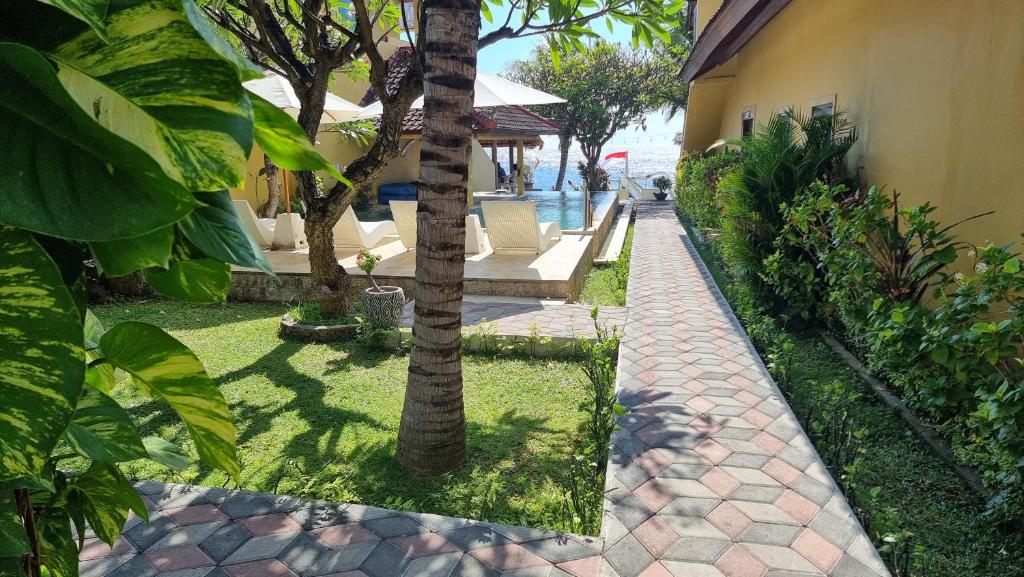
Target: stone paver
<point>207,532</point>
<point>539,318</point>
<point>711,474</point>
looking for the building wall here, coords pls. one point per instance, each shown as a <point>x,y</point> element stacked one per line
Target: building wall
<point>705,10</point>
<point>341,152</point>
<point>934,89</point>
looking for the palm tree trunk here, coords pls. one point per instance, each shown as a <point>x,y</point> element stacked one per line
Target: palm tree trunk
<point>564,141</point>
<point>432,436</point>
<point>269,210</point>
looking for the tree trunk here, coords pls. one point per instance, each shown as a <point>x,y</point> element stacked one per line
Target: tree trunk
<point>269,210</point>
<point>564,142</point>
<point>432,436</point>
<point>592,160</point>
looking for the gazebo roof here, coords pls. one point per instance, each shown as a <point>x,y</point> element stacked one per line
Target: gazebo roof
<point>503,125</point>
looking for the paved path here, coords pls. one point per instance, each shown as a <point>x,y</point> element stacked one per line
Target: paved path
<point>523,318</point>
<point>207,532</point>
<point>711,475</point>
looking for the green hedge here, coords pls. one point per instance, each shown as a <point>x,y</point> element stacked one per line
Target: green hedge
<point>697,177</point>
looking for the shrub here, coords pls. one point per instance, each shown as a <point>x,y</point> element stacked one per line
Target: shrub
<point>779,161</point>
<point>601,177</point>
<point>662,183</point>
<point>697,178</point>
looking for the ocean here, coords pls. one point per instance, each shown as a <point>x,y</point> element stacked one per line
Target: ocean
<point>645,162</point>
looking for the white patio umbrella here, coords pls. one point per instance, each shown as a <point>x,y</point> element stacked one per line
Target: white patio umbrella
<point>276,89</point>
<point>489,91</point>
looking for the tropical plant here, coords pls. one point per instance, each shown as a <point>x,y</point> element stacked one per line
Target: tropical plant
<point>662,183</point>
<point>778,161</point>
<point>607,88</point>
<point>125,125</point>
<point>367,261</point>
<point>598,181</point>
<point>592,444</point>
<point>697,181</point>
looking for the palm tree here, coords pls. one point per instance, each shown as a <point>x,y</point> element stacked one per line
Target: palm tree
<point>432,436</point>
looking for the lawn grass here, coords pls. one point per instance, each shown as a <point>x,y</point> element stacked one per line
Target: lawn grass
<point>918,489</point>
<point>321,420</point>
<point>606,283</point>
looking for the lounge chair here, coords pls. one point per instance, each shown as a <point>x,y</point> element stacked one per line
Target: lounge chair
<point>512,225</point>
<point>350,233</point>
<point>261,229</point>
<point>404,212</point>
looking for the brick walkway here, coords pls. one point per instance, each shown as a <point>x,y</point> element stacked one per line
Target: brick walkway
<point>711,475</point>
<point>521,318</point>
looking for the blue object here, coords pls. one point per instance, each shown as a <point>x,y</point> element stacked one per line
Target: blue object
<point>396,191</point>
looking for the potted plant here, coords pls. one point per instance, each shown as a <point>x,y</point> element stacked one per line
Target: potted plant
<point>383,305</point>
<point>662,183</point>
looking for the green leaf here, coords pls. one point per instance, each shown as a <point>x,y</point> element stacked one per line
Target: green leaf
<point>165,368</point>
<point>946,256</point>
<point>66,175</point>
<point>284,141</point>
<point>485,11</point>
<point>127,255</point>
<point>11,567</point>
<point>12,534</point>
<point>92,12</point>
<point>105,497</point>
<point>1012,266</point>
<point>215,228</point>
<point>101,376</point>
<point>102,431</point>
<point>160,85</point>
<point>56,545</point>
<point>166,453</point>
<point>43,359</point>
<point>198,281</point>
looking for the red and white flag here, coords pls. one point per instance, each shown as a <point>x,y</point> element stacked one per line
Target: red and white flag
<point>623,154</point>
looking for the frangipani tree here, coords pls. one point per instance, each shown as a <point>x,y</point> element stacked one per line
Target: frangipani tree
<point>607,88</point>
<point>124,125</point>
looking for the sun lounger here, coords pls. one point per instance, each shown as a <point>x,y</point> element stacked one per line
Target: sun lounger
<point>404,212</point>
<point>512,225</point>
<point>261,229</point>
<point>350,233</point>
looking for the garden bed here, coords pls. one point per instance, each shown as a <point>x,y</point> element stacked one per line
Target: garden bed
<point>606,283</point>
<point>920,499</point>
<point>320,421</point>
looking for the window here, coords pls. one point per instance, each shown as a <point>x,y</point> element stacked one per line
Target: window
<point>823,106</point>
<point>747,122</point>
<point>784,111</point>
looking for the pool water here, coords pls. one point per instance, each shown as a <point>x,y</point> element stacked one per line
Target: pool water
<point>562,207</point>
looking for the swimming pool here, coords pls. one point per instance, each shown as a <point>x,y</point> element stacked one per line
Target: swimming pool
<point>563,207</point>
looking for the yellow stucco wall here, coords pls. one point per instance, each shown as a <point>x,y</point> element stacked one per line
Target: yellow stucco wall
<point>705,10</point>
<point>934,88</point>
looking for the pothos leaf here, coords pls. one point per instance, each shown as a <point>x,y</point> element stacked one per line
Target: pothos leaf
<point>216,229</point>
<point>68,176</point>
<point>285,142</point>
<point>102,431</point>
<point>165,368</point>
<point>196,280</point>
<point>127,255</point>
<point>166,453</point>
<point>56,545</point>
<point>13,541</point>
<point>105,497</point>
<point>43,358</point>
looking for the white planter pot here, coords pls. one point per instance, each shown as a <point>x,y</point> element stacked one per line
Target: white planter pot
<point>384,306</point>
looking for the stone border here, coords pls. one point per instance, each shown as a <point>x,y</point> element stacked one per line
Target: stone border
<point>294,330</point>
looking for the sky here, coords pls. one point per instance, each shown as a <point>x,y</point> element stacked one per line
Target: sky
<point>495,58</point>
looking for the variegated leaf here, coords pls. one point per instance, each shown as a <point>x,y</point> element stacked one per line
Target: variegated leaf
<point>161,86</point>
<point>165,368</point>
<point>67,176</point>
<point>92,12</point>
<point>43,364</point>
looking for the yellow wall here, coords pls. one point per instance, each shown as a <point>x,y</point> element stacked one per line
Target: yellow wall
<point>705,10</point>
<point>934,88</point>
<point>340,152</point>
